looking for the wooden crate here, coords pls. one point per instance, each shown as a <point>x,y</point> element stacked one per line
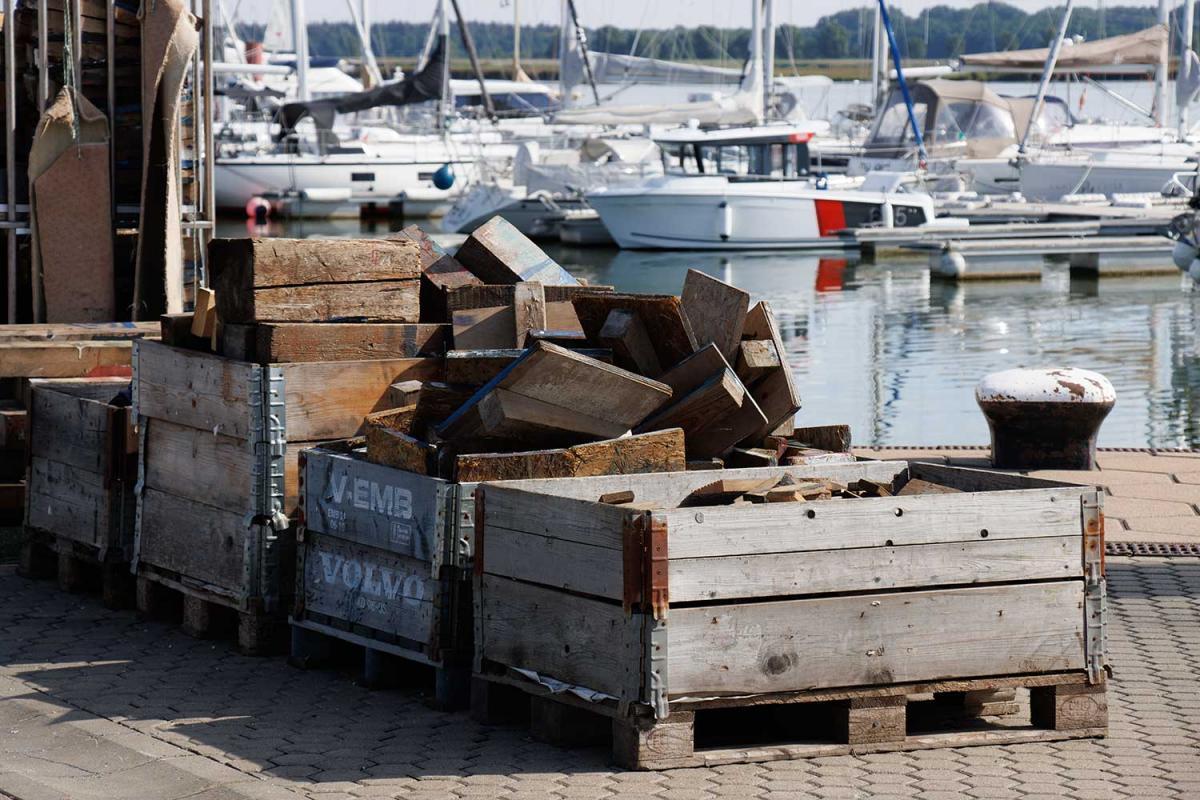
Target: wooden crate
<point>219,441</point>
<point>839,600</point>
<point>82,470</point>
<point>382,562</point>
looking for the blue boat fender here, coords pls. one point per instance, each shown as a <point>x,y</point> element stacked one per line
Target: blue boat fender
<point>444,177</point>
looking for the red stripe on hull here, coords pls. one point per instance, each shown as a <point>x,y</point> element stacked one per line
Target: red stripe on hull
<point>831,216</point>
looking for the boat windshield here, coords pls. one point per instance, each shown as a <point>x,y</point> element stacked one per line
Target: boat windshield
<point>777,160</point>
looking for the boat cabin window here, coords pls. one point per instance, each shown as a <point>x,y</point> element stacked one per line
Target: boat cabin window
<point>966,119</point>
<point>893,129</point>
<point>510,103</point>
<point>779,160</point>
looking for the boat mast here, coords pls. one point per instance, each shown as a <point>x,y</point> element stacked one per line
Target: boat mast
<point>908,103</point>
<point>300,35</point>
<point>754,78</point>
<point>358,16</point>
<point>444,43</point>
<point>1189,10</point>
<point>879,57</point>
<point>1160,74</point>
<point>1047,72</point>
<point>768,53</point>
<point>581,37</point>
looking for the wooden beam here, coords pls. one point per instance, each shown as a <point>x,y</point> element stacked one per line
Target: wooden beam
<point>662,316</point>
<point>716,311</point>
<point>775,393</point>
<point>204,317</point>
<point>285,342</point>
<point>756,358</point>
<point>661,451</point>
<point>626,334</point>
<point>477,367</point>
<point>529,310</point>
<point>499,253</point>
<point>714,417</point>
<point>440,272</point>
<point>23,359</point>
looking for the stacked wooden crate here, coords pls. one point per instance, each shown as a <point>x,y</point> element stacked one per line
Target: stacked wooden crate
<point>880,591</point>
<point>82,470</point>
<point>220,434</point>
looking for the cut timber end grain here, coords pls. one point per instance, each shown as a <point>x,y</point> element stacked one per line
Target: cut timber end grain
<point>826,437</point>
<point>714,417</point>
<point>499,253</point>
<point>555,393</point>
<point>393,448</point>
<point>662,315</point>
<point>529,310</point>
<point>654,452</point>
<point>404,393</point>
<point>625,333</point>
<point>204,318</point>
<point>776,392</point>
<point>756,358</point>
<point>244,264</point>
<point>617,498</point>
<point>716,311</point>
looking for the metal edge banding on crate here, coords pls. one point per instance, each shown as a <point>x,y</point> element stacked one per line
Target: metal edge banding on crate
<point>373,505</point>
<point>363,585</point>
<point>1095,602</point>
<point>139,490</point>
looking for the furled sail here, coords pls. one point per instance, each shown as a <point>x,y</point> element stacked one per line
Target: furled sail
<point>423,85</point>
<point>279,35</point>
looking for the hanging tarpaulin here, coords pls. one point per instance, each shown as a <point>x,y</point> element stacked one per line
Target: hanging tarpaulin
<point>72,242</point>
<point>423,85</point>
<point>170,39</point>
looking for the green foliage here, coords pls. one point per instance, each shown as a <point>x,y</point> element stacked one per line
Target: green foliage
<point>935,33</point>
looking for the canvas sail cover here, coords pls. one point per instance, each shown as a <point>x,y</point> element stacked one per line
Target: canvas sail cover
<point>617,68</point>
<point>1145,47</point>
<point>426,84</point>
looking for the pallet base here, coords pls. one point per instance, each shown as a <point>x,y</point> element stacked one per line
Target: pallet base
<point>204,615</point>
<point>77,567</point>
<point>378,665</point>
<point>805,725</point>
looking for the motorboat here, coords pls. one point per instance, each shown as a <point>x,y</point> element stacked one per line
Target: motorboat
<point>751,188</point>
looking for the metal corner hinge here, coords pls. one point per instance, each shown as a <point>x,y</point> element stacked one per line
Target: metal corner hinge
<point>656,599</point>
<point>1095,600</point>
<point>268,426</point>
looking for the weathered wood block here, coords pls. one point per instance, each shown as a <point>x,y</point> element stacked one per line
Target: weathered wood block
<point>774,392</point>
<point>648,744</point>
<point>316,280</point>
<point>661,315</point>
<point>440,272</point>
<point>662,451</point>
<point>866,720</point>
<point>716,312</point>
<point>484,317</point>
<point>284,342</point>
<point>496,252</point>
<point>1067,707</point>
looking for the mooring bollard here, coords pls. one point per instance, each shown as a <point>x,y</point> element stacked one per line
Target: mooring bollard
<point>1045,418</point>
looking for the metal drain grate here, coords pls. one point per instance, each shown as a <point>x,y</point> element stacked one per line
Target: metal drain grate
<point>1151,549</point>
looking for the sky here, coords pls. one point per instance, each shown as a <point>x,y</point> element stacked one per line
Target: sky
<point>623,13</point>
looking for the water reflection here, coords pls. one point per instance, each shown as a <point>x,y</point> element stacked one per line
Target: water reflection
<point>896,355</point>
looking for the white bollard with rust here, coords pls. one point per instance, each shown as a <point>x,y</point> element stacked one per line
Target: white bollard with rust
<point>1045,418</point>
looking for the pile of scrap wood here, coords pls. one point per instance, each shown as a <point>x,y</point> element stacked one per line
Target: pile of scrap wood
<point>539,374</point>
<point>788,489</point>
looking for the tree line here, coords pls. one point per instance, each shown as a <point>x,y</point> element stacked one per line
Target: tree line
<point>940,32</point>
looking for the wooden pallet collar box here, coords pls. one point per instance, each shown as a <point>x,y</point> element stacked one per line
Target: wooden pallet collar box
<point>219,441</point>
<point>1000,578</point>
<point>82,465</point>
<point>382,552</point>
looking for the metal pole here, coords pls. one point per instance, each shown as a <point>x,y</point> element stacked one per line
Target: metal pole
<point>1189,11</point>
<point>10,156</point>
<point>1047,72</point>
<point>516,67</point>
<point>77,43</point>
<point>581,37</point>
<point>444,35</point>
<point>469,44</point>
<point>210,156</point>
<point>364,38</point>
<point>300,35</point>
<point>1160,74</point>
<point>756,59</point>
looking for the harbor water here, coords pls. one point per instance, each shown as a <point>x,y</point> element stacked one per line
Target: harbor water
<point>896,354</point>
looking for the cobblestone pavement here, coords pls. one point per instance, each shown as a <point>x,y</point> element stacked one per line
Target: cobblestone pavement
<point>99,704</point>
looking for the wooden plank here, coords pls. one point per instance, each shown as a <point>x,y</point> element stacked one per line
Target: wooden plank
<point>873,568</point>
<point>55,359</point>
<point>328,400</point>
<point>283,342</point>
<point>374,301</point>
<point>560,392</point>
<point>197,465</point>
<point>714,417</point>
<point>496,252</point>
<point>477,367</point>
<point>204,317</point>
<point>14,428</point>
<point>872,522</point>
<point>201,542</point>
<point>71,427</point>
<point>694,371</point>
<point>197,390</point>
<point>626,334</point>
<point>875,638</point>
<point>242,265</point>
<point>69,502</point>
<point>978,480</point>
<point>394,448</point>
<point>756,359</point>
<point>440,272</point>
<point>556,563</point>
<point>775,394</point>
<point>662,315</point>
<point>566,518</point>
<point>577,640</point>
<point>484,328</point>
<point>529,310</point>
<point>365,586</point>
<point>78,331</point>
<point>716,312</point>
<point>662,451</point>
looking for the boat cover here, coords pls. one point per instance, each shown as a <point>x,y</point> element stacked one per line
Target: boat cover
<point>1145,47</point>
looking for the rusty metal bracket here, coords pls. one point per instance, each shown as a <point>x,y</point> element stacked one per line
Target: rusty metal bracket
<point>1095,600</point>
<point>479,524</point>
<point>655,564</point>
